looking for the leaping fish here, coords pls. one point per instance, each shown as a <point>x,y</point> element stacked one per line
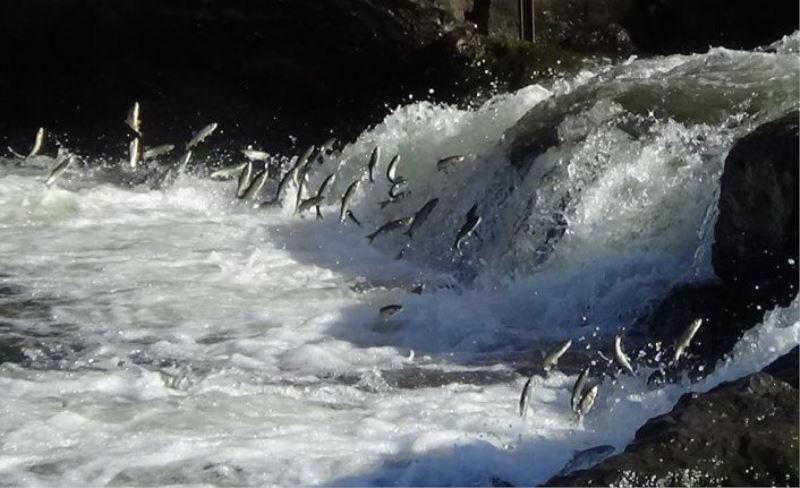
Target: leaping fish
<point>255,154</point>
<point>59,169</point>
<point>310,202</point>
<point>389,227</point>
<point>38,142</point>
<point>525,397</point>
<point>323,191</point>
<point>184,161</point>
<point>201,135</point>
<point>228,173</point>
<point>134,120</point>
<point>620,355</point>
<point>244,178</point>
<point>686,338</point>
<point>473,220</point>
<point>391,170</point>
<point>587,401</point>
<point>133,152</point>
<point>347,199</point>
<point>389,311</point>
<point>154,152</point>
<point>551,360</point>
<point>373,162</point>
<point>421,217</point>
<point>450,162</point>
<point>577,389</point>
<point>258,183</point>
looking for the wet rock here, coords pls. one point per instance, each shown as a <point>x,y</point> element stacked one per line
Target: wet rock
<point>741,433</point>
<point>756,236</point>
<point>786,368</point>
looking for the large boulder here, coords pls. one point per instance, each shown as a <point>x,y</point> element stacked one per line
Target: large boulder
<point>741,433</point>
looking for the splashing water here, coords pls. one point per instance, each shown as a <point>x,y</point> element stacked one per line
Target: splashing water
<point>176,336</point>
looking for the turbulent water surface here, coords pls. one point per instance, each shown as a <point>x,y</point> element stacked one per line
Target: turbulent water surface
<point>175,335</point>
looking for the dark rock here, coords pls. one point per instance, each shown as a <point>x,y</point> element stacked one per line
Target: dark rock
<point>756,236</point>
<point>741,433</point>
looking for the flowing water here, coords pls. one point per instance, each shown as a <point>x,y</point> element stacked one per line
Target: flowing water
<point>176,336</point>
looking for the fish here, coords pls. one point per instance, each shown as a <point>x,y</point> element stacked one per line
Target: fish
<point>686,338</point>
<point>133,151</point>
<point>244,178</point>
<point>373,162</point>
<point>450,162</point>
<point>154,152</point>
<point>41,134</point>
<point>184,161</point>
<point>300,191</point>
<point>551,360</point>
<point>228,173</point>
<point>391,170</point>
<point>389,311</point>
<point>201,135</point>
<point>587,401</point>
<point>306,158</point>
<point>290,176</point>
<point>59,169</point>
<point>587,458</point>
<point>323,191</point>
<point>421,217</point>
<point>473,221</point>
<point>525,397</point>
<point>397,188</point>
<point>389,227</point>
<point>620,356</point>
<point>311,202</point>
<point>255,154</point>
<point>396,199</point>
<point>134,120</point>
<point>577,389</point>
<point>258,183</point>
<point>347,199</point>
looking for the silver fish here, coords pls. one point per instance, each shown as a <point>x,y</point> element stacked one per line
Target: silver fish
<point>389,311</point>
<point>201,135</point>
<point>244,179</point>
<point>59,169</point>
<point>255,155</point>
<point>587,401</point>
<point>258,183</point>
<point>290,176</point>
<point>134,120</point>
<point>373,163</point>
<point>311,202</point>
<point>524,398</point>
<point>133,152</point>
<point>184,161</point>
<point>38,142</point>
<point>450,162</point>
<point>686,338</point>
<point>347,199</point>
<point>391,170</point>
<point>306,158</point>
<point>323,191</point>
<point>473,221</point>
<point>389,227</point>
<point>622,359</point>
<point>577,389</point>
<point>421,217</point>
<point>301,187</point>
<point>551,360</point>
<point>228,173</point>
<point>154,152</point>
<point>587,458</point>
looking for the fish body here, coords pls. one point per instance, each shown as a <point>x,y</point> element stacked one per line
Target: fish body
<point>290,176</point>
<point>525,397</point>
<point>59,169</point>
<point>391,170</point>
<point>258,183</point>
<point>551,360</point>
<point>421,217</point>
<point>397,188</point>
<point>373,163</point>
<point>326,184</point>
<point>154,152</point>
<point>244,179</point>
<point>347,200</point>
<point>450,162</point>
<point>577,389</point>
<point>184,161</point>
<point>388,227</point>
<point>622,359</point>
<point>587,458</point>
<point>473,221</point>
<point>41,134</point>
<point>228,173</point>
<point>686,338</point>
<point>133,153</point>
<point>389,311</point>
<point>201,135</point>
<point>134,119</point>
<point>587,401</point>
<point>310,202</point>
<point>255,154</point>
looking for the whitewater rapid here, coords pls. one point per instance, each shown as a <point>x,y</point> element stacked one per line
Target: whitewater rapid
<point>177,336</point>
